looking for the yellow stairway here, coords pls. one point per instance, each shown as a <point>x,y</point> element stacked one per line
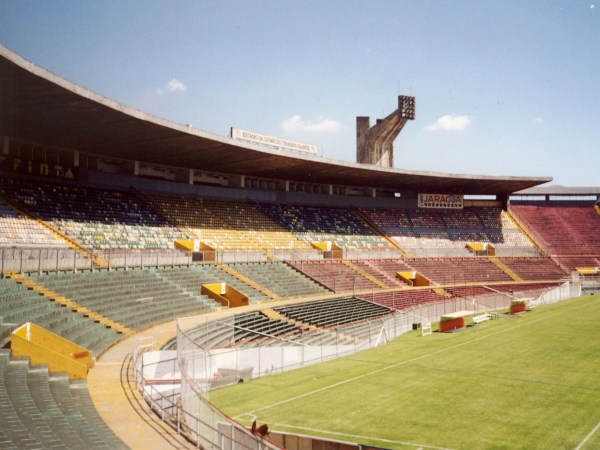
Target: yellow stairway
<point>362,216</point>
<point>248,281</point>
<point>441,291</point>
<point>524,229</point>
<point>274,315</point>
<point>505,269</point>
<point>366,275</point>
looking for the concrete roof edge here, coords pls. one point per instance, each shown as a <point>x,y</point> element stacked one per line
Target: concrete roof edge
<point>191,131</point>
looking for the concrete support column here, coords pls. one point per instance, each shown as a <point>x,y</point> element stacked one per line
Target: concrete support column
<point>238,181</point>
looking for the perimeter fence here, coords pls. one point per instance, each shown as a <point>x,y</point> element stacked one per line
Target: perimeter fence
<point>202,367</point>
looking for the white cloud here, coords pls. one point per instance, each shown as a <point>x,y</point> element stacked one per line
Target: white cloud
<point>176,86</point>
<point>172,86</point>
<point>321,125</point>
<point>539,120</point>
<point>450,122</point>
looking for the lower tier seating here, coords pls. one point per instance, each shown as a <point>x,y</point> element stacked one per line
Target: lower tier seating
<point>334,275</point>
<point>254,326</point>
<point>534,268</point>
<point>458,270</point>
<point>570,263</point>
<point>405,299</point>
<point>327,313</point>
<point>19,305</point>
<point>280,278</point>
<point>134,298</point>
<point>39,409</point>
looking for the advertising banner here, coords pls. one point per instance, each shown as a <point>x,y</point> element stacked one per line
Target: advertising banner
<point>257,138</point>
<point>37,168</point>
<point>440,201</point>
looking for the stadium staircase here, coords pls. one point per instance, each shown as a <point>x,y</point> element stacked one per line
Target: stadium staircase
<point>64,301</point>
<point>324,331</point>
<point>505,269</point>
<point>364,274</point>
<point>362,216</point>
<point>441,291</point>
<point>191,278</point>
<point>274,315</point>
<point>526,231</point>
<point>229,270</point>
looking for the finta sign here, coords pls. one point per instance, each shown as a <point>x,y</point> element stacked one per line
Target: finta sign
<point>440,201</point>
<point>37,168</point>
<point>272,141</point>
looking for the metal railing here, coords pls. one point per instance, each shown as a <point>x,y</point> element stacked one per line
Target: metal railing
<point>204,425</point>
<point>32,259</point>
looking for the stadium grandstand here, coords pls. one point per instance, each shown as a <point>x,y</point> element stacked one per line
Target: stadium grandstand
<point>116,225</point>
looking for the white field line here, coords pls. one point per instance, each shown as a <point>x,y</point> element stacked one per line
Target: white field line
<point>374,372</point>
<point>357,436</point>
<point>587,438</point>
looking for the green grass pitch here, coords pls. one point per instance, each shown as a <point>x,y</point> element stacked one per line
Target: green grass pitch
<point>531,382</point>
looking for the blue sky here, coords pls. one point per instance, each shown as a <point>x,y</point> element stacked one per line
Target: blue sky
<point>506,87</point>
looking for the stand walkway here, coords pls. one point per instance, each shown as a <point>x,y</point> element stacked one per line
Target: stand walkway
<point>113,391</point>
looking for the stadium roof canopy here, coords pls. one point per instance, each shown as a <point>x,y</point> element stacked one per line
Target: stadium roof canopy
<point>40,107</point>
<point>562,191</point>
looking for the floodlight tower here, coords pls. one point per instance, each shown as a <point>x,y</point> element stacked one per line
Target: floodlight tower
<point>375,145</point>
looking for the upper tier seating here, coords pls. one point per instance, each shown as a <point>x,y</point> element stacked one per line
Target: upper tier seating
<point>19,230</point>
<point>319,224</point>
<point>226,225</point>
<point>96,218</point>
<point>19,305</point>
<point>424,229</point>
<point>43,410</point>
<point>562,228</point>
